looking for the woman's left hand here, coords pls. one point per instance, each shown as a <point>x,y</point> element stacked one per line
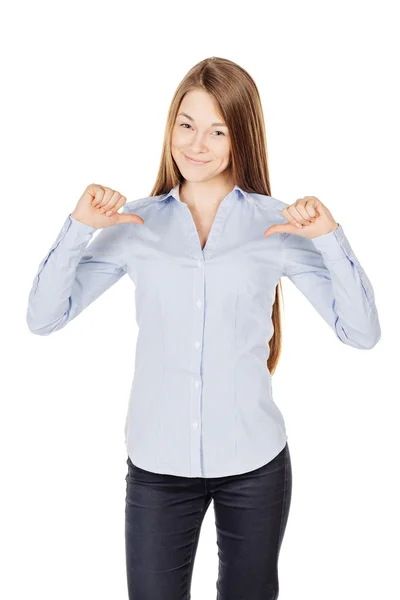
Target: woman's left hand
<point>307,217</point>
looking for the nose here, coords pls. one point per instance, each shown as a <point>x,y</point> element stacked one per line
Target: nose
<point>198,145</point>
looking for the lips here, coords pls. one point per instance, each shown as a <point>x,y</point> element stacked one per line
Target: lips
<point>198,162</point>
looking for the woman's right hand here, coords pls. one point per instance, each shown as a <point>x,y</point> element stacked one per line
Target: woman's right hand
<point>96,201</point>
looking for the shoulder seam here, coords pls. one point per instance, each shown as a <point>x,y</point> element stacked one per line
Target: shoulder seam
<point>139,202</point>
<point>259,203</point>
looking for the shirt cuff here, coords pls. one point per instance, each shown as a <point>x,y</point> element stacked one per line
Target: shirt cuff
<point>74,234</point>
<point>333,245</point>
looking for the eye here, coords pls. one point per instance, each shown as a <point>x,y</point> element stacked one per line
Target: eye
<point>183,125</point>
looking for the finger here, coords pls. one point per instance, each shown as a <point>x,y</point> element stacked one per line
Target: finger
<point>281,228</point>
<point>128,218</point>
<point>92,189</point>
<point>111,211</point>
<point>316,204</point>
<point>108,193</point>
<point>306,209</point>
<point>286,212</point>
<point>112,201</point>
<point>295,211</point>
<point>98,196</point>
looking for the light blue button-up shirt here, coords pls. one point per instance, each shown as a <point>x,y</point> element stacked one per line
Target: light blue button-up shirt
<point>201,402</point>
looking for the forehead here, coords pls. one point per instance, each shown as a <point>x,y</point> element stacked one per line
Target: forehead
<point>199,106</point>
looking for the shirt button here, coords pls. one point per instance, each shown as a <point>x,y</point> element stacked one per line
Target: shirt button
<point>197,344</point>
<point>195,424</point>
<point>198,303</point>
<point>199,263</point>
<point>196,384</point>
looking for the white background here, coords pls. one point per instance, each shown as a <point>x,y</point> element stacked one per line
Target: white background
<point>86,90</point>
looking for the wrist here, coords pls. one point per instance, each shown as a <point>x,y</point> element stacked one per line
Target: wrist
<point>84,225</point>
<point>333,228</point>
<point>76,216</point>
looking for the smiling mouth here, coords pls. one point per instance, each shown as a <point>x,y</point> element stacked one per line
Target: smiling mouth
<point>195,162</point>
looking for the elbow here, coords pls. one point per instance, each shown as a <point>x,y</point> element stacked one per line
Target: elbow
<point>43,319</point>
<point>370,343</point>
<point>38,326</point>
<point>32,324</point>
<point>375,334</point>
<point>358,339</point>
<point>37,329</point>
<point>373,340</point>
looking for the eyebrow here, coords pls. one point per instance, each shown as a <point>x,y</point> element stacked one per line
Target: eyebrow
<point>212,124</point>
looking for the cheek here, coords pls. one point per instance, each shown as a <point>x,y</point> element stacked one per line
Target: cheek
<point>178,138</point>
<point>175,147</point>
<point>176,151</point>
<point>224,152</point>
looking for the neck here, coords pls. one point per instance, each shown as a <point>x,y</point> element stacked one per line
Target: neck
<point>204,195</point>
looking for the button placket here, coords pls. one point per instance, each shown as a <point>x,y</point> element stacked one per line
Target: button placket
<point>198,302</point>
<point>196,294</point>
<point>200,255</point>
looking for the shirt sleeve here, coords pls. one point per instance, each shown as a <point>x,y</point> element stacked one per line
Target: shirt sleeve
<point>328,273</point>
<point>74,273</point>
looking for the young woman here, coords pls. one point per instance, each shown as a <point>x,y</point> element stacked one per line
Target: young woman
<point>206,252</point>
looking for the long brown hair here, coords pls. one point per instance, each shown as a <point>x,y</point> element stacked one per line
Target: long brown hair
<point>237,98</point>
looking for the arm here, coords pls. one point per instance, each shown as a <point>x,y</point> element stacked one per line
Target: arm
<point>73,274</point>
<point>326,270</point>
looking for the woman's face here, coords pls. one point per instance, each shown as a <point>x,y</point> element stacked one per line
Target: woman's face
<point>200,134</point>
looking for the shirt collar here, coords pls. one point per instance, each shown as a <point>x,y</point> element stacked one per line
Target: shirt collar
<point>174,193</point>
